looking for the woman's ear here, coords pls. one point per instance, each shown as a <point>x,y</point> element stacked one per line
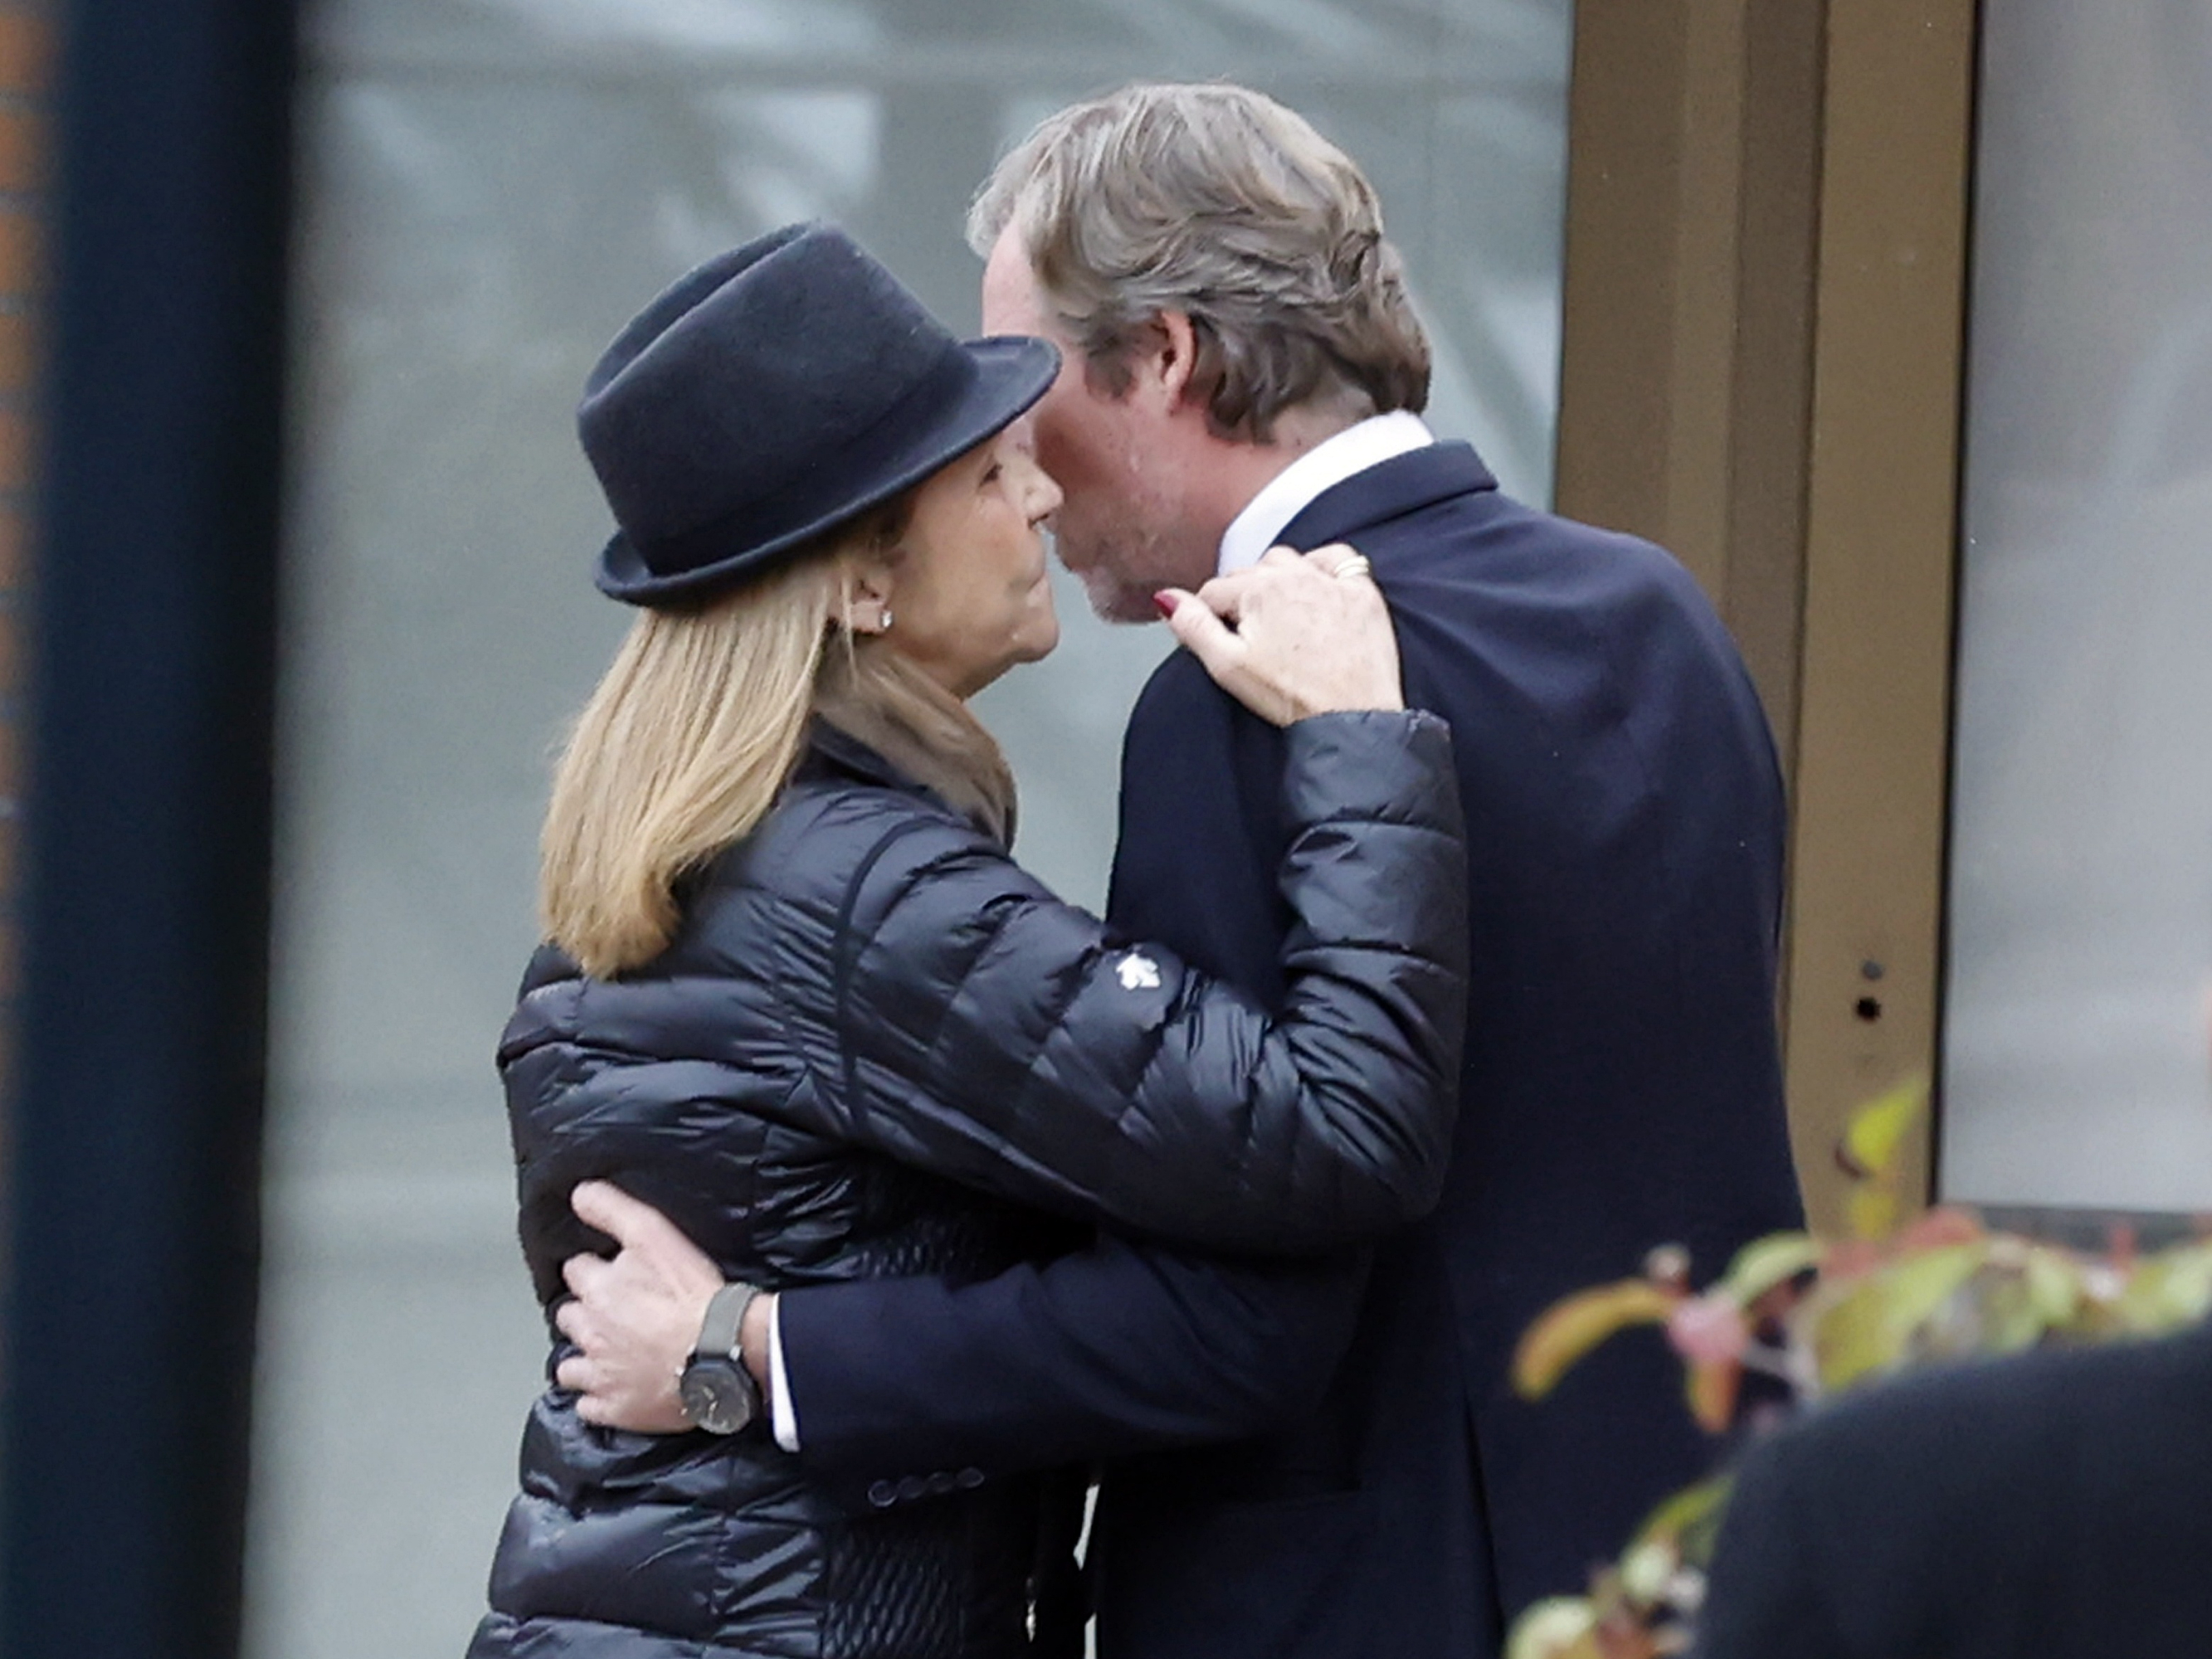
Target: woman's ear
<point>864,584</point>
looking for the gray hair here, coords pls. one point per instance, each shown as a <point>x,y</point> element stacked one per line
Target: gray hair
<point>1218,202</point>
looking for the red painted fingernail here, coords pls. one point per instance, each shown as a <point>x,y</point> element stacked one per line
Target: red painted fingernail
<point>1165,602</point>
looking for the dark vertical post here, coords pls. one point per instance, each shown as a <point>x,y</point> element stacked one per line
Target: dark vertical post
<point>135,1203</point>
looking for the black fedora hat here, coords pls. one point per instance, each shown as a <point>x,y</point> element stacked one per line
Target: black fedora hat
<point>775,393</point>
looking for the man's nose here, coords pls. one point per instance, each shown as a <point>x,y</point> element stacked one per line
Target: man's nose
<point>1044,494</point>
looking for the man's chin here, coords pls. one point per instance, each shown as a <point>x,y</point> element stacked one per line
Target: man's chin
<point>1114,596</point>
<point>1113,603</point>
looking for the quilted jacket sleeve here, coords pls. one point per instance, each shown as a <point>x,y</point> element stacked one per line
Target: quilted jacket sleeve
<point>992,1034</point>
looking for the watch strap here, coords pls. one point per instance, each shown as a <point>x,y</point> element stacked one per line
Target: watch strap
<point>726,1314</point>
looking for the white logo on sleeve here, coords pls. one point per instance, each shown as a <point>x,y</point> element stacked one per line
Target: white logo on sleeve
<point>1139,972</point>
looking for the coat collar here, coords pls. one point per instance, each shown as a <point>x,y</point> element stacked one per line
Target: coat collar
<point>1404,484</point>
<point>1313,475</point>
<point>831,748</point>
<point>833,751</point>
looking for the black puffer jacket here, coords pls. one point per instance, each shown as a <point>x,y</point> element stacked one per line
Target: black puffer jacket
<point>879,1047</point>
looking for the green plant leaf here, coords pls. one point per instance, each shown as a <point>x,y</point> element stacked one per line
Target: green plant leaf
<point>1869,1328</point>
<point>1766,1263</point>
<point>2053,1279</point>
<point>2011,1322</point>
<point>1869,1146</point>
<point>1871,1207</point>
<point>1559,1627</point>
<point>1689,1520</point>
<point>1647,1569</point>
<point>2168,1290</point>
<point>1569,1329</point>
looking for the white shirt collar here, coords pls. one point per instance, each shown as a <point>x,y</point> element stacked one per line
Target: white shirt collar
<point>1327,465</point>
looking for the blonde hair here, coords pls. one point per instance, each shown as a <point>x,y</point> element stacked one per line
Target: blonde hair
<point>1218,202</point>
<point>693,731</point>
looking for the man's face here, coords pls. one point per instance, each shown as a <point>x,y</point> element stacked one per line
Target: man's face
<point>1124,528</point>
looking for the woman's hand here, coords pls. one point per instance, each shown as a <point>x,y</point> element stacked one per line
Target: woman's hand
<point>1294,636</point>
<point>637,1318</point>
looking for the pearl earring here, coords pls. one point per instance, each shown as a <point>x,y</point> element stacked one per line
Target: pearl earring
<point>887,619</point>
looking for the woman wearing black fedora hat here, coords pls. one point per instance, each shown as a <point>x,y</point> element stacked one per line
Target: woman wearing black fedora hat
<point>799,997</point>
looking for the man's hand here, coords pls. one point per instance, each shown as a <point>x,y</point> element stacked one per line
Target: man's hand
<point>637,1318</point>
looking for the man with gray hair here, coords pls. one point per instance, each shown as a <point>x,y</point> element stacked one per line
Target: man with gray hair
<point>1325,1458</point>
<point>1212,223</point>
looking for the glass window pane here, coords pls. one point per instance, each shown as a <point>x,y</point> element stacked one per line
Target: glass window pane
<point>2077,1057</point>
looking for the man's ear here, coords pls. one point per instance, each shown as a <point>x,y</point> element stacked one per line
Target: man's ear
<point>1172,356</point>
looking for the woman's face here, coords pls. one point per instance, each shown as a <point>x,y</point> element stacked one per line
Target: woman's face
<point>967,592</point>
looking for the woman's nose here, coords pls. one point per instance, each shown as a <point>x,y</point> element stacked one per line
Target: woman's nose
<point>1044,494</point>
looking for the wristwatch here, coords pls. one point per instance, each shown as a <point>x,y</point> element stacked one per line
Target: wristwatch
<point>716,1391</point>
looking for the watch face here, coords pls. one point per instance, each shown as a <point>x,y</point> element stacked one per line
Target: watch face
<point>717,1395</point>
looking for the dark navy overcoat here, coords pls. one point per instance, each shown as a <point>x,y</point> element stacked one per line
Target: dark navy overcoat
<point>1378,1489</point>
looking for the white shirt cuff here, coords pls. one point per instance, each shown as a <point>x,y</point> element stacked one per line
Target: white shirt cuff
<point>782,1414</point>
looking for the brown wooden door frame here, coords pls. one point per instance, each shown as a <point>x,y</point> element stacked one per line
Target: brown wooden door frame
<point>1763,344</point>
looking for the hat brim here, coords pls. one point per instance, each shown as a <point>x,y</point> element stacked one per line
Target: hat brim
<point>1012,372</point>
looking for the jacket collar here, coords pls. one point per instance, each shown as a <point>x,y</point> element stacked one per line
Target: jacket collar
<point>832,748</point>
<point>1388,489</point>
<point>833,751</point>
